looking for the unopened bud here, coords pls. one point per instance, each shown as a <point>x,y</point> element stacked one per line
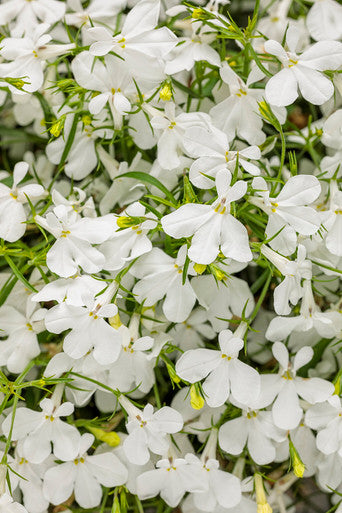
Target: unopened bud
<point>297,464</point>
<point>86,119</point>
<point>197,13</point>
<point>57,127</point>
<point>262,504</point>
<point>127,222</point>
<point>165,93</point>
<point>172,373</point>
<point>217,272</point>
<point>199,268</point>
<point>196,400</point>
<point>110,438</point>
<point>115,321</point>
<point>15,82</point>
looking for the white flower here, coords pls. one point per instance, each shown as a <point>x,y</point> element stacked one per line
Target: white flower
<point>190,50</point>
<point>7,505</point>
<point>255,429</point>
<point>88,329</point>
<point>24,16</point>
<point>84,476</point>
<point>82,157</point>
<point>225,298</point>
<point>223,488</point>
<point>139,43</point>
<point>286,386</point>
<point>324,20</point>
<point>302,71</point>
<point>110,79</point>
<point>171,479</point>
<point>74,238</point>
<point>134,366</point>
<point>148,430</point>
<point>129,243</point>
<point>287,212</point>
<point>161,275</point>
<point>239,113</point>
<point>71,290</point>
<point>28,55</point>
<point>326,418</point>
<point>170,128</point>
<point>223,371</point>
<point>325,323</point>
<point>12,199</point>
<point>212,226</point>
<point>211,149</point>
<point>22,330</point>
<point>290,289</point>
<point>39,429</point>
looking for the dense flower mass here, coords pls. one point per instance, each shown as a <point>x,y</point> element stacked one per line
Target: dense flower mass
<point>170,256</point>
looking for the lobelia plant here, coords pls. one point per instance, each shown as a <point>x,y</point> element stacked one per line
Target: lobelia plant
<point>170,256</point>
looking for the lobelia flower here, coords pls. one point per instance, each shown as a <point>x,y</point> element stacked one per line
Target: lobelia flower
<point>12,199</point>
<point>212,226</point>
<point>82,389</point>
<point>84,476</point>
<point>88,327</point>
<point>170,127</point>
<point>255,429</point>
<point>142,46</point>
<point>325,323</point>
<point>223,371</point>
<point>111,79</point>
<point>290,289</point>
<point>225,297</point>
<point>75,236</point>
<point>211,149</point>
<point>31,486</point>
<point>134,367</point>
<point>302,71</point>
<point>324,20</point>
<point>131,241</point>
<point>7,505</point>
<point>286,386</point>
<point>223,488</point>
<point>238,114</point>
<point>326,418</point>
<point>97,11</point>
<point>333,224</point>
<point>29,54</point>
<point>172,478</point>
<point>22,330</point>
<point>190,333</point>
<point>287,212</point>
<point>70,290</point>
<point>39,429</point>
<point>148,430</point>
<point>161,275</point>
<point>24,16</point>
<point>192,49</point>
<point>82,157</point>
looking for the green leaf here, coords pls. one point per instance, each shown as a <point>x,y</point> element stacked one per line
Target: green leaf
<point>146,178</point>
<point>19,274</point>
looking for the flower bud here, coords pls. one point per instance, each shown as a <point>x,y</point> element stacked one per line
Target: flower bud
<point>57,127</point>
<point>199,268</point>
<point>262,504</point>
<point>165,93</point>
<point>197,13</point>
<point>297,464</point>
<point>196,400</point>
<point>110,438</point>
<point>115,321</point>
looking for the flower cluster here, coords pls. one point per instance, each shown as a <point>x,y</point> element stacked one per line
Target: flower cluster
<point>171,255</point>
